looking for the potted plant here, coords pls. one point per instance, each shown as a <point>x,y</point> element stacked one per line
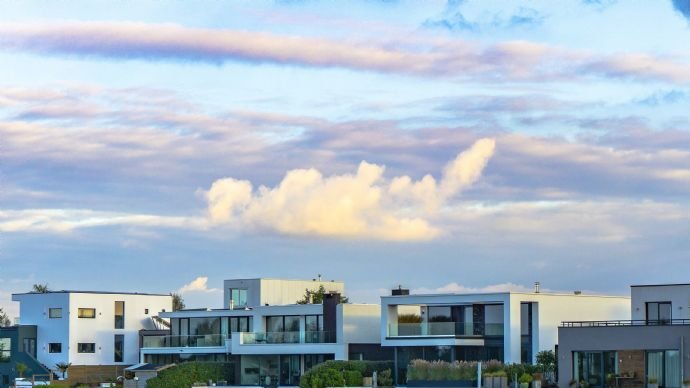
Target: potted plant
<point>653,382</point>
<point>536,380</point>
<point>62,367</point>
<point>611,380</point>
<point>524,380</point>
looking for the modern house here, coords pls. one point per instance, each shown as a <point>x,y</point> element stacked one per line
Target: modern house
<point>97,332</point>
<point>266,334</point>
<point>649,347</point>
<point>508,326</point>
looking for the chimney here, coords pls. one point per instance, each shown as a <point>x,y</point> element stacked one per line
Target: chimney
<point>577,292</point>
<point>537,286</point>
<point>330,304</point>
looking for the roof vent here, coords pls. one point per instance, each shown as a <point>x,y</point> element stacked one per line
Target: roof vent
<point>577,292</point>
<point>400,291</point>
<point>537,287</point>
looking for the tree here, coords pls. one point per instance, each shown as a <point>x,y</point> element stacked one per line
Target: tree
<point>63,366</point>
<point>317,296</point>
<point>40,288</point>
<point>178,302</point>
<point>21,368</point>
<point>546,359</point>
<point>4,319</point>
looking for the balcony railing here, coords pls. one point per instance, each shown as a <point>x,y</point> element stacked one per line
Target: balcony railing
<point>288,337</point>
<point>424,329</point>
<point>183,341</point>
<point>635,322</point>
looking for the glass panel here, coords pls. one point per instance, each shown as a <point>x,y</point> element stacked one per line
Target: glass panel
<point>204,326</point>
<point>86,348</point>
<point>119,347</point>
<point>55,313</point>
<point>655,361</point>
<point>671,369</point>
<point>311,323</point>
<point>55,347</point>
<point>5,349</point>
<point>119,315</point>
<point>244,324</point>
<point>292,323</point>
<point>86,313</point>
<point>225,327</point>
<point>664,313</point>
<point>274,324</point>
<point>238,297</point>
<point>439,314</point>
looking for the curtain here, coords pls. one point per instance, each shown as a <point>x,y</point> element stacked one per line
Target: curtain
<point>655,361</point>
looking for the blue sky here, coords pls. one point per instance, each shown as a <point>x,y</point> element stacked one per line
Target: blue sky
<point>445,146</point>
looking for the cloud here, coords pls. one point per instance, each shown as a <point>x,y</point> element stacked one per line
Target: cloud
<point>683,7</point>
<point>362,205</point>
<point>512,60</point>
<point>455,288</point>
<point>200,284</point>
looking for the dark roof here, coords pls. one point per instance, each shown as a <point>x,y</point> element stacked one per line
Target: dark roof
<point>661,285</point>
<point>89,292</point>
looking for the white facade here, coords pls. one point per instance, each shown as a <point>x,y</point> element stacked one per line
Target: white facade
<point>275,292</point>
<point>504,312</point>
<point>678,295</point>
<point>68,330</point>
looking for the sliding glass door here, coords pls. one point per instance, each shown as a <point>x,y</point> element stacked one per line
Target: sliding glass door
<point>664,367</point>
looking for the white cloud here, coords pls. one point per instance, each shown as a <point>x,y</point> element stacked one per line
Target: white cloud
<point>200,284</point>
<point>363,204</point>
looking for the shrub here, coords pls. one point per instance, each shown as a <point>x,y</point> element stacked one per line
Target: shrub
<point>186,374</point>
<point>338,373</point>
<point>525,378</point>
<point>385,378</point>
<point>353,378</point>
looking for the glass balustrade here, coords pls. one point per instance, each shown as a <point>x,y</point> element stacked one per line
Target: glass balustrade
<point>287,337</point>
<point>422,329</point>
<point>183,341</point>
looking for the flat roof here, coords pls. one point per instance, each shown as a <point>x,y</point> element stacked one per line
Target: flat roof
<point>508,293</point>
<point>661,285</point>
<point>88,292</point>
<point>289,280</point>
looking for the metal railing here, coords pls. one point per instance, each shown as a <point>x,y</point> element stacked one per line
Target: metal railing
<point>629,322</point>
<point>288,337</point>
<point>465,329</point>
<point>183,341</point>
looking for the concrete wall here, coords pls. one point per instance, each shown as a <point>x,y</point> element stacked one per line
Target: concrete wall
<point>276,291</point>
<point>678,295</point>
<point>359,323</point>
<point>33,310</point>
<point>616,339</point>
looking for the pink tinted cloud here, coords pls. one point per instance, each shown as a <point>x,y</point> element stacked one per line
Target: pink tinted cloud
<point>514,60</point>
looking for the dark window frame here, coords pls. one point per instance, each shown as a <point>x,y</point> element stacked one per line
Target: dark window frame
<point>658,320</point>
<point>119,319</point>
<point>86,347</point>
<point>56,309</point>
<point>53,345</point>
<point>119,353</point>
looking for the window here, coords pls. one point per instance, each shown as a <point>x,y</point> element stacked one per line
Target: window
<point>238,297</point>
<point>313,329</point>
<point>237,325</point>
<point>658,313</point>
<point>119,315</point>
<point>119,347</point>
<point>86,347</point>
<point>54,347</point>
<point>54,313</point>
<point>283,329</point>
<point>5,349</point>
<point>664,366</point>
<point>593,367</point>
<point>86,313</point>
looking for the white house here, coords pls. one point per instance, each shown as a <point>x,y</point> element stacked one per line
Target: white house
<point>508,326</point>
<point>266,334</point>
<point>92,330</point>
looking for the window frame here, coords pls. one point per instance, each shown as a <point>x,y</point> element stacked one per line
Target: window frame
<point>121,338</point>
<point>86,347</point>
<point>54,309</point>
<point>119,323</point>
<point>57,344</point>
<point>82,310</point>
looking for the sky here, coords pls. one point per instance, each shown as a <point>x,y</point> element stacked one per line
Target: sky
<point>458,146</point>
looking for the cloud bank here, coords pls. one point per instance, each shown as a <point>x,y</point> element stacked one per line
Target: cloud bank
<point>363,204</point>
<point>512,60</point>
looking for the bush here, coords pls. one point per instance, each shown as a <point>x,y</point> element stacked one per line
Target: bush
<point>353,378</point>
<point>186,374</point>
<point>525,378</point>
<point>385,378</point>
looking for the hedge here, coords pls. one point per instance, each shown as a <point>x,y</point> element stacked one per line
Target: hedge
<point>345,374</point>
<point>185,374</point>
<point>463,370</point>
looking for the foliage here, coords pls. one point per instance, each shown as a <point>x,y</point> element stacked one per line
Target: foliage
<point>353,378</point>
<point>40,288</point>
<point>444,371</point>
<point>409,318</point>
<point>178,302</point>
<point>185,374</point>
<point>653,380</point>
<point>21,368</point>
<point>385,378</point>
<point>4,319</point>
<point>519,369</point>
<point>525,378</point>
<point>339,373</point>
<point>62,367</point>
<point>546,359</point>
<point>317,296</point>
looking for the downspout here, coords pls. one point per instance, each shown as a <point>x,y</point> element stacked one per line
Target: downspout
<point>682,358</point>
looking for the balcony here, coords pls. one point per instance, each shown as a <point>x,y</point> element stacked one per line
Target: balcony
<point>183,341</point>
<point>288,337</point>
<point>637,322</point>
<point>445,329</point>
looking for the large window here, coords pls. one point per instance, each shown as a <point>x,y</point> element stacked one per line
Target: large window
<point>55,347</point>
<point>658,313</point>
<point>86,347</point>
<point>204,326</point>
<point>593,367</point>
<point>238,297</point>
<point>5,349</point>
<point>55,312</point>
<point>236,325</point>
<point>283,329</point>
<point>86,313</point>
<point>664,367</point>
<point>313,329</point>
<point>119,347</point>
<point>119,315</point>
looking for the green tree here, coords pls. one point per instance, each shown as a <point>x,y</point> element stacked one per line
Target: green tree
<point>4,319</point>
<point>178,302</point>
<point>40,288</point>
<point>21,368</point>
<point>317,296</point>
<point>546,359</point>
<point>62,367</point>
